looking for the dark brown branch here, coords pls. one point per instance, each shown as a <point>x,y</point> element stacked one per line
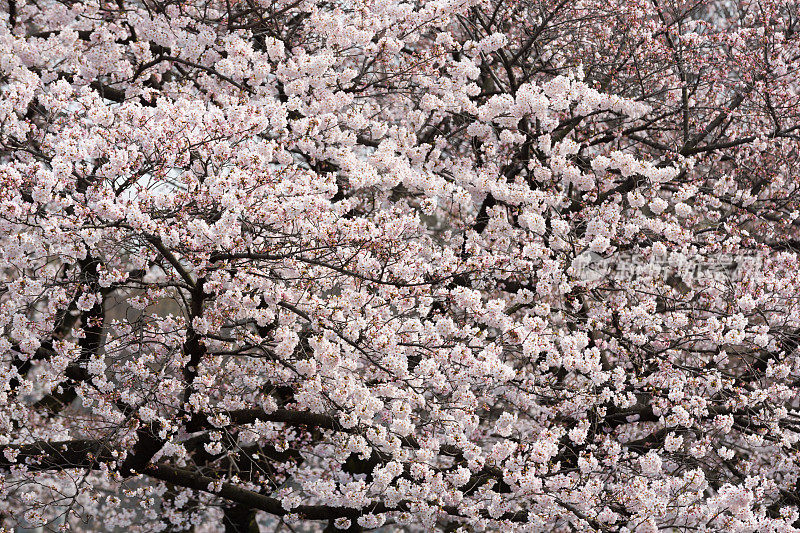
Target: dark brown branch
<point>62,455</point>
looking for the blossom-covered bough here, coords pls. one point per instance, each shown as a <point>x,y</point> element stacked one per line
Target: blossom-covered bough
<point>322,265</point>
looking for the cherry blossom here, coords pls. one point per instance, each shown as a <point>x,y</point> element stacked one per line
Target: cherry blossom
<point>450,265</point>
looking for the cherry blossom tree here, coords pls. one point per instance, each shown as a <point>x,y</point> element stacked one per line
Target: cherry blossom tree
<point>322,266</point>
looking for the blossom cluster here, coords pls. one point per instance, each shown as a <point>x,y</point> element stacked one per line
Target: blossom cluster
<point>276,263</point>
